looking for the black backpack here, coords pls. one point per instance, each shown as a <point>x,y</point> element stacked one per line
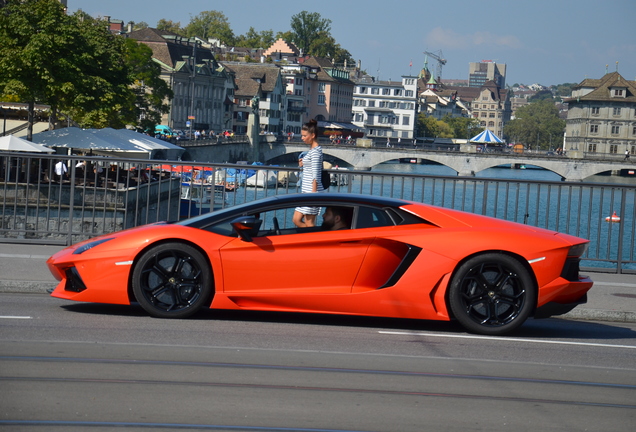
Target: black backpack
<point>325,179</point>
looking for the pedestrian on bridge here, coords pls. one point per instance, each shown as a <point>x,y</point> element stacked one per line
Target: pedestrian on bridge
<point>312,174</point>
<point>627,154</point>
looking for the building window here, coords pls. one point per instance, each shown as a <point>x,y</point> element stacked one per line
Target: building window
<point>596,111</point>
<point>491,124</point>
<point>408,93</point>
<point>375,91</point>
<point>634,131</point>
<point>593,129</point>
<point>591,148</point>
<point>321,99</point>
<point>613,149</point>
<point>618,92</point>
<point>372,103</point>
<point>616,130</point>
<point>616,111</point>
<point>363,90</point>
<point>386,91</point>
<point>299,81</point>
<point>397,92</point>
<point>321,87</point>
<point>406,120</point>
<point>491,115</point>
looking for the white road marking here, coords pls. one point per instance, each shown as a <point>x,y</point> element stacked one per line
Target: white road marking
<point>507,339</point>
<point>14,317</point>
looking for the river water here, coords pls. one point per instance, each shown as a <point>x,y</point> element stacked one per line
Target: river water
<point>533,196</point>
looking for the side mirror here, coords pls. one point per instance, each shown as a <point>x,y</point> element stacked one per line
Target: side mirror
<point>246,227</point>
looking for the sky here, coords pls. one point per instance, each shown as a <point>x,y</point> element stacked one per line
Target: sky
<point>547,42</point>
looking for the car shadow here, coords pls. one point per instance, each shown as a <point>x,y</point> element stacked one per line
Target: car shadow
<point>550,328</point>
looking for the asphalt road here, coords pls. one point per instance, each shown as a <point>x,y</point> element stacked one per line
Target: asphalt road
<point>69,366</point>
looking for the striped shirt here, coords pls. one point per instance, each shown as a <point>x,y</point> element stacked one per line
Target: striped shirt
<point>312,169</point>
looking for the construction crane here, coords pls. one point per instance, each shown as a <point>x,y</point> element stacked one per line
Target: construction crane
<point>441,61</point>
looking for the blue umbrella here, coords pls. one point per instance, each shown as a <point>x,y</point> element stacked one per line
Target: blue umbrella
<point>486,137</point>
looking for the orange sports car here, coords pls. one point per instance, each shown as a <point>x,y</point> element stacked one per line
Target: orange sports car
<point>366,256</point>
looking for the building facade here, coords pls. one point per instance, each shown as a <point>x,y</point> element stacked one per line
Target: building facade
<point>295,111</point>
<point>202,89</point>
<point>492,107</point>
<point>479,73</point>
<point>385,109</point>
<point>602,116</point>
<point>257,82</point>
<point>329,91</point>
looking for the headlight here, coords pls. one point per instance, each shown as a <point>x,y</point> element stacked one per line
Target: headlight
<point>578,250</point>
<point>90,245</point>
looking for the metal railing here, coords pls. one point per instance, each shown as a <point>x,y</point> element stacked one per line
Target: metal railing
<point>109,194</point>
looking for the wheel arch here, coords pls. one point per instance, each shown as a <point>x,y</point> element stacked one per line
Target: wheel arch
<point>513,255</point>
<point>131,295</point>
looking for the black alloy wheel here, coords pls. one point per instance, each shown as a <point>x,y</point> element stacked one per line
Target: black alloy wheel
<point>172,280</point>
<point>492,294</point>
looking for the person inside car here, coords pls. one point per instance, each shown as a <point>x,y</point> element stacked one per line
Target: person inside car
<point>337,218</point>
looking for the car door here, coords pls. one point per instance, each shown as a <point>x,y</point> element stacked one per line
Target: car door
<point>305,262</point>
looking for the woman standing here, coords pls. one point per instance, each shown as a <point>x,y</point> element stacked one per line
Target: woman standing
<point>312,171</point>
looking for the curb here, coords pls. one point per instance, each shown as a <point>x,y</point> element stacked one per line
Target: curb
<point>39,287</point>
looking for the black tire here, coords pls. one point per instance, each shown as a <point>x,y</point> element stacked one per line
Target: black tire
<point>492,294</point>
<point>172,280</point>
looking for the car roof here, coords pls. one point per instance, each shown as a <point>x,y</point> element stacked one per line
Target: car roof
<point>315,199</point>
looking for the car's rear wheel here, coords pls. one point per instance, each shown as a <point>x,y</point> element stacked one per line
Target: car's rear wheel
<point>172,280</point>
<point>492,294</point>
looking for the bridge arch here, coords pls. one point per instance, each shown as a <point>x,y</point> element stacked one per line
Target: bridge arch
<point>463,163</point>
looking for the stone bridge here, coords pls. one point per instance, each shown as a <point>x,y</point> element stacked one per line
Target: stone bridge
<point>363,158</point>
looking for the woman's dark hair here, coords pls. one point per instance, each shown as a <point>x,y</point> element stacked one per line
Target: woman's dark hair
<point>312,127</point>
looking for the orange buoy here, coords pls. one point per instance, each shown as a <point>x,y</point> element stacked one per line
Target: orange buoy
<point>613,218</point>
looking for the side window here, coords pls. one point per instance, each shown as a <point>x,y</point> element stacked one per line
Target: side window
<point>369,217</point>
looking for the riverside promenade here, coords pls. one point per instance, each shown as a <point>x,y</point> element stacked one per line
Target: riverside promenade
<point>23,270</point>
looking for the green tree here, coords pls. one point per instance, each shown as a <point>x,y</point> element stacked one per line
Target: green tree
<point>432,128</point>
<point>254,39</point>
<point>211,24</point>
<point>37,49</point>
<point>541,95</point>
<point>306,27</point>
<point>140,25</point>
<point>564,90</point>
<point>537,125</point>
<point>72,63</point>
<point>171,26</point>
<point>463,127</point>
<point>324,45</point>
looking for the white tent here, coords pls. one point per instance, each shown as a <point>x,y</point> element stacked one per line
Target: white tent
<point>486,137</point>
<point>120,142</point>
<point>13,143</point>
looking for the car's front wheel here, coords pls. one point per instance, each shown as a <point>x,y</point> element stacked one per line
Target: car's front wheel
<point>492,294</point>
<point>172,280</point>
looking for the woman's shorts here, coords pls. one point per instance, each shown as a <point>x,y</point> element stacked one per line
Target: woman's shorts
<point>308,210</point>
